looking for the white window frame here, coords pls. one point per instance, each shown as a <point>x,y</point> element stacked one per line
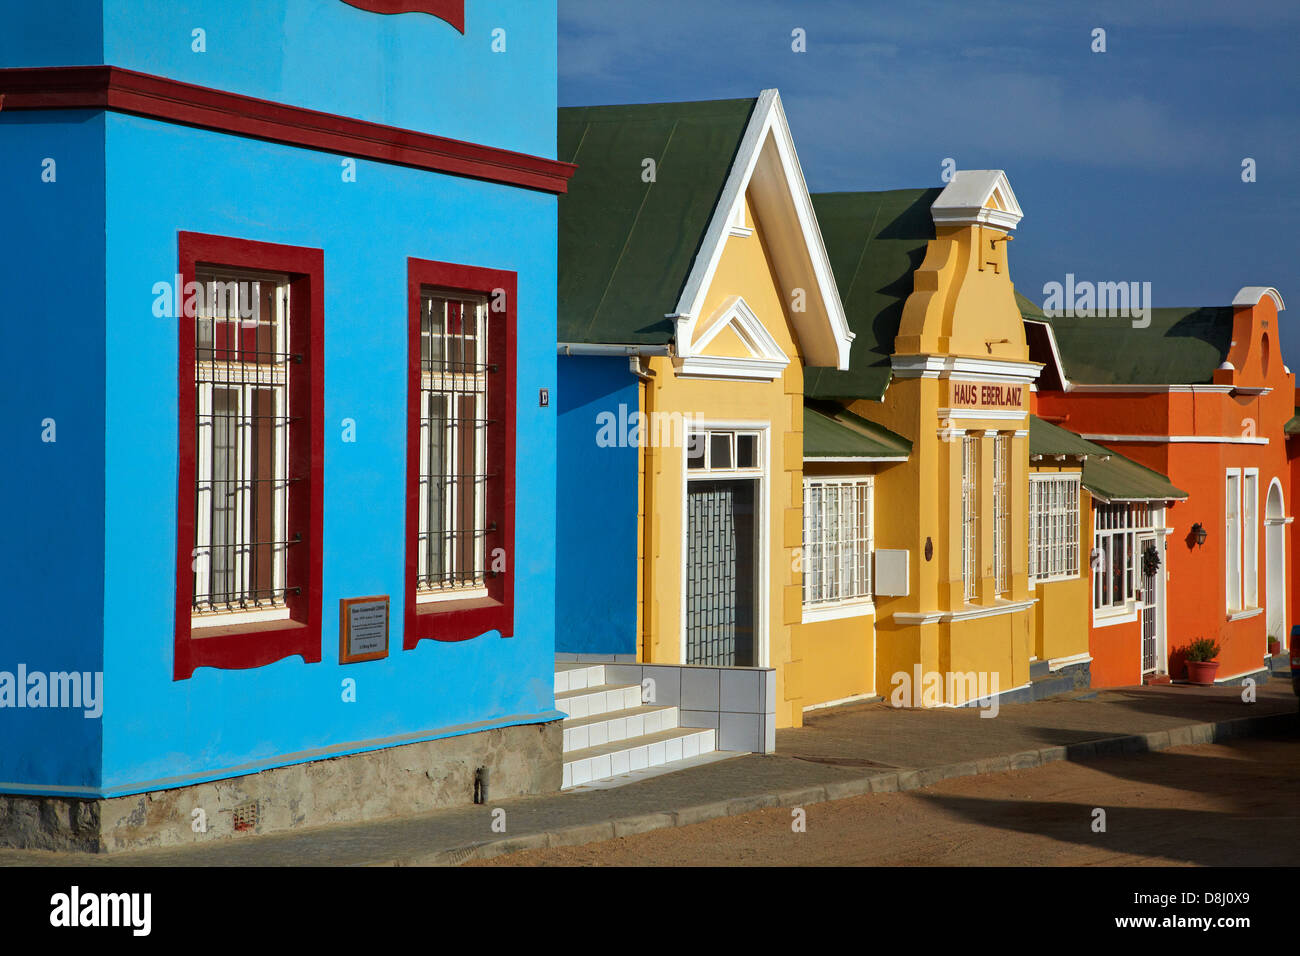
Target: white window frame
<point>1054,527</point>
<point>1250,538</point>
<point>1232,539</point>
<point>858,524</point>
<point>431,385</point>
<point>1132,519</point>
<point>969,516</point>
<point>1001,520</point>
<point>243,379</point>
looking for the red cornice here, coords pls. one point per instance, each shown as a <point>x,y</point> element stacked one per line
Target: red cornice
<point>453,11</point>
<point>155,97</point>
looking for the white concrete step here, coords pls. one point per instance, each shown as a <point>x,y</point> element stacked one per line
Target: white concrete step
<point>600,699</point>
<point>582,767</point>
<point>577,676</point>
<point>583,732</point>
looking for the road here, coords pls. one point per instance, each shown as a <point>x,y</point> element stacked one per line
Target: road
<point>1209,804</point>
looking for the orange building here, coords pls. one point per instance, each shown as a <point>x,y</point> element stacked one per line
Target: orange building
<point>1202,396</point>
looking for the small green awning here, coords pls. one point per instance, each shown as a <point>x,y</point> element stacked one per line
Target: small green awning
<point>831,433</point>
<point>1107,474</point>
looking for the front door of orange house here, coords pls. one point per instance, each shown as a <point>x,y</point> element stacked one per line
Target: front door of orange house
<point>1151,611</point>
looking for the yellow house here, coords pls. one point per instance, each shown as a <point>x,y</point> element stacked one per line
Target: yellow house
<point>942,360</point>
<point>695,294</point>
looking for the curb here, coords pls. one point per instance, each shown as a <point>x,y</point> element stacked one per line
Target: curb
<point>889,782</point>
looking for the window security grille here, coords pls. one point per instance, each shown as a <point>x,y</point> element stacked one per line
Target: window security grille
<point>969,493</point>
<point>837,540</point>
<point>242,373</point>
<point>453,445</point>
<point>1001,549</point>
<point>1115,573</point>
<point>1053,527</point>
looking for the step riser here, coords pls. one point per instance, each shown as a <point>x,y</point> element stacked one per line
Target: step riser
<point>578,678</point>
<point>600,702</point>
<point>638,757</point>
<point>619,728</point>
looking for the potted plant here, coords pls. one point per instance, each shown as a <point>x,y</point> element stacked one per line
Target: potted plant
<point>1274,647</point>
<point>1200,657</point>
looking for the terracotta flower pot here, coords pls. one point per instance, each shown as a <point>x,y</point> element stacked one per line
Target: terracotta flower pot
<point>1202,672</point>
<point>1274,648</point>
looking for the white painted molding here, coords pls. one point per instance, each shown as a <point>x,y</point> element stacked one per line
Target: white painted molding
<point>963,200</point>
<point>1178,439</point>
<point>1251,294</point>
<point>962,369</point>
<point>970,613</point>
<point>765,362</point>
<point>987,414</point>
<point>767,142</point>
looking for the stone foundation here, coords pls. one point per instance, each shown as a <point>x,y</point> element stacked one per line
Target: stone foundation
<point>360,788</point>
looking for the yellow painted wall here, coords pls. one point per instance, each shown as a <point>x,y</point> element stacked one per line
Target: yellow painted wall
<point>745,269</point>
<point>1061,616</point>
<point>963,305</point>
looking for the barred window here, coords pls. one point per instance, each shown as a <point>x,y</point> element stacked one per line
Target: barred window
<point>837,540</point>
<point>1053,527</point>
<point>1001,543</point>
<point>1114,558</point>
<point>969,500</point>
<point>242,480</point>
<point>453,446</point>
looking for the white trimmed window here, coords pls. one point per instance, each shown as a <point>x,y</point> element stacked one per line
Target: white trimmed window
<point>1232,510</point>
<point>241,488</point>
<point>969,499</point>
<point>1250,534</point>
<point>1001,542</point>
<point>837,541</point>
<point>453,446</point>
<point>1053,527</point>
<point>1115,561</point>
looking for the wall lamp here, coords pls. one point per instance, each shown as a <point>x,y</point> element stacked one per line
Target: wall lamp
<point>1199,533</point>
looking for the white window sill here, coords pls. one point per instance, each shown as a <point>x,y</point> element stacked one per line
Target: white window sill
<point>1245,613</point>
<point>1105,617</point>
<point>234,618</point>
<point>1034,582</point>
<point>812,613</point>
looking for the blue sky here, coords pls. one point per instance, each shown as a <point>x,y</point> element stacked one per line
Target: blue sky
<point>1127,163</point>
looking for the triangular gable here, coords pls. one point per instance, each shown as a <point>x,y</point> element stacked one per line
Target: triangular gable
<point>978,195</point>
<point>766,360</point>
<point>767,168</point>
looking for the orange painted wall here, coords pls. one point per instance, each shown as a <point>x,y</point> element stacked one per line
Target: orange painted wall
<point>1196,588</point>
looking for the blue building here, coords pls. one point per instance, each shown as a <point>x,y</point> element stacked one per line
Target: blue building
<point>282,282</point>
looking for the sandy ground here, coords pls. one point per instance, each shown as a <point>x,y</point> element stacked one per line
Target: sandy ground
<point>1211,804</point>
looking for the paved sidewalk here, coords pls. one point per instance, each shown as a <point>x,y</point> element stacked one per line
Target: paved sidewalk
<point>838,753</point>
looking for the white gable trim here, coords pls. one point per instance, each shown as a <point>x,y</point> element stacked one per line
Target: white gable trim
<point>963,200</point>
<point>767,149</point>
<point>1251,294</point>
<point>766,360</point>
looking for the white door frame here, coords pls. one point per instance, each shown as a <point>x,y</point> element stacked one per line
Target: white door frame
<point>763,537</point>
<point>1158,539</point>
<point>1275,563</point>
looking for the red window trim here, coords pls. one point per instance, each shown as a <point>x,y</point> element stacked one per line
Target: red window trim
<point>254,645</point>
<point>462,620</point>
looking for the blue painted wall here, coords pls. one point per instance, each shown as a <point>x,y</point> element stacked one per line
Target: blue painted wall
<point>52,535</point>
<point>89,571</point>
<point>410,70</point>
<point>596,538</point>
<point>156,728</point>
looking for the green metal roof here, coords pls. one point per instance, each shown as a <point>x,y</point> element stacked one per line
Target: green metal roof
<point>1113,478</point>
<point>830,431</point>
<point>875,241</point>
<point>1292,427</point>
<point>626,246</point>
<point>1181,346</point>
